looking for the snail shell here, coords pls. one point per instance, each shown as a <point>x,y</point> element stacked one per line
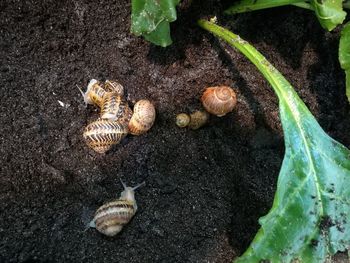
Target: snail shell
<point>114,86</point>
<point>101,135</point>
<point>110,218</point>
<point>219,100</point>
<point>94,93</point>
<point>142,118</point>
<point>182,120</point>
<point>198,119</point>
<point>115,108</point>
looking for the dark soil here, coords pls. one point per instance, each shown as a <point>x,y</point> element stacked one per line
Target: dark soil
<point>205,189</point>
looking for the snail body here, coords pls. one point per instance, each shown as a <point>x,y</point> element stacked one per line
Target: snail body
<point>142,118</point>
<point>101,134</point>
<point>219,100</point>
<point>114,86</point>
<point>111,217</point>
<point>115,108</point>
<point>94,93</point>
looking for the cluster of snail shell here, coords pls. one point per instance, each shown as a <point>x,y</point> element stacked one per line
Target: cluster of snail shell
<point>218,101</point>
<point>116,117</point>
<point>116,122</point>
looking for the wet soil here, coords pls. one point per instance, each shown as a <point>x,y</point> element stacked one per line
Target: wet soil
<point>205,189</point>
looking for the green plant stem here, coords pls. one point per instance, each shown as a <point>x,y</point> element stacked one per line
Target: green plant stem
<point>346,5</point>
<point>304,5</point>
<point>247,6</point>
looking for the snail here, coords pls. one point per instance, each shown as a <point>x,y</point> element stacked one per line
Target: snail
<point>101,135</point>
<point>219,100</point>
<point>114,86</point>
<point>115,108</point>
<point>142,118</point>
<point>94,93</point>
<point>110,218</point>
<point>182,120</point>
<point>194,121</point>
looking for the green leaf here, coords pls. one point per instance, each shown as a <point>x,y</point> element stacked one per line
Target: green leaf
<point>252,5</point>
<point>151,18</point>
<point>329,12</point>
<point>344,55</point>
<point>309,219</point>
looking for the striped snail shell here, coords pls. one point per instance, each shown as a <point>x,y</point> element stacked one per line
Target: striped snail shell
<point>115,108</point>
<point>101,135</point>
<point>142,118</point>
<point>94,93</point>
<point>219,100</point>
<point>114,86</point>
<point>198,119</point>
<point>182,120</point>
<point>110,218</point>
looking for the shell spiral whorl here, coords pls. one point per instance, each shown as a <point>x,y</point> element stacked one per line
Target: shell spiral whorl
<point>142,118</point>
<point>101,135</point>
<point>115,108</point>
<point>110,218</point>
<point>219,100</point>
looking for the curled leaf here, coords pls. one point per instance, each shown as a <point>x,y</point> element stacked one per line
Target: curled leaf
<point>151,18</point>
<point>329,12</point>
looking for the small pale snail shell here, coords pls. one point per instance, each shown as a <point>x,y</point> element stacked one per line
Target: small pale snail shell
<point>198,119</point>
<point>219,100</point>
<point>101,135</point>
<point>94,93</point>
<point>182,120</point>
<point>194,121</point>
<point>115,108</point>
<point>115,87</point>
<point>142,118</point>
<point>110,218</point>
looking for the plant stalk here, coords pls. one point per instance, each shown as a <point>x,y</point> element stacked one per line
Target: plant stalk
<point>252,5</point>
<point>346,5</point>
<point>304,5</point>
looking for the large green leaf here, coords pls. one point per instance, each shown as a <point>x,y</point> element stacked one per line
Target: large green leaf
<point>344,55</point>
<point>329,12</point>
<point>151,18</point>
<point>309,219</point>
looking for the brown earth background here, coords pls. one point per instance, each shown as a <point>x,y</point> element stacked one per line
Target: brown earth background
<point>205,189</point>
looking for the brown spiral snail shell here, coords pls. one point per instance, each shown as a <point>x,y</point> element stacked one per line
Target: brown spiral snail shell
<point>101,135</point>
<point>219,100</point>
<point>111,217</point>
<point>115,108</point>
<point>142,118</point>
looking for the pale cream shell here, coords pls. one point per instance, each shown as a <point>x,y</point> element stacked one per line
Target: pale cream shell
<point>182,120</point>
